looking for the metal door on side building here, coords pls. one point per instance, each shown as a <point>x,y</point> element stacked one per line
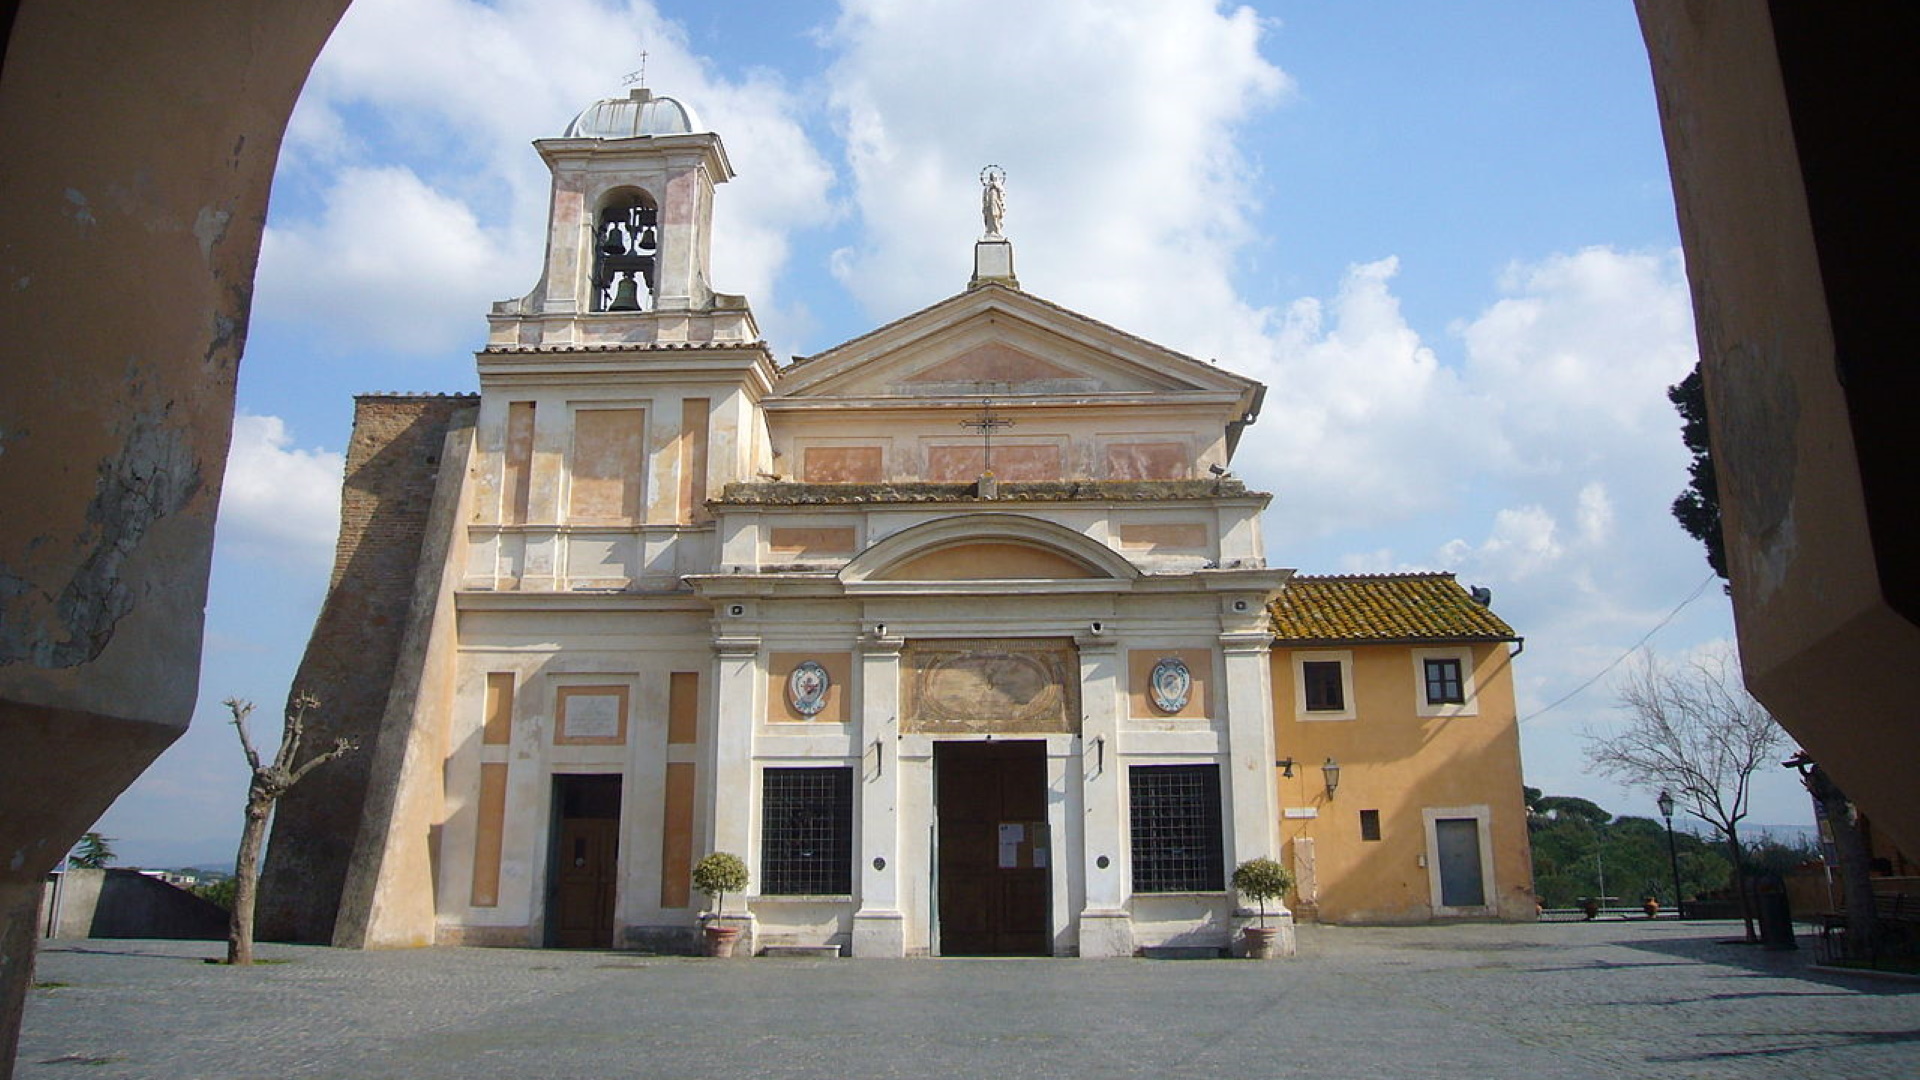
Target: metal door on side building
<point>1462,884</point>
<point>994,849</point>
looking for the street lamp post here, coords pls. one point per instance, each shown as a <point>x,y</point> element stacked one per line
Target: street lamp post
<point>1665,802</point>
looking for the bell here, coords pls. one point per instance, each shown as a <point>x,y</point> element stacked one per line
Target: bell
<point>626,295</point>
<point>613,243</point>
<point>649,239</point>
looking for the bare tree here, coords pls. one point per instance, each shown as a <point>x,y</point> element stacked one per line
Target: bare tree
<point>268,784</point>
<point>1695,731</point>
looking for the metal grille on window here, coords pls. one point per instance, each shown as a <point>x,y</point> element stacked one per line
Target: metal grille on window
<point>806,832</point>
<point>1176,828</point>
<point>1443,683</point>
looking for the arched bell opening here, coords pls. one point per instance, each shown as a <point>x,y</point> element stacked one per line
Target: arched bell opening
<point>626,242</point>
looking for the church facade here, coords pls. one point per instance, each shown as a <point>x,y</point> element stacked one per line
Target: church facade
<point>960,633</point>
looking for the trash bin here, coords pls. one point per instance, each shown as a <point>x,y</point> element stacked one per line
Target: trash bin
<point>1776,918</point>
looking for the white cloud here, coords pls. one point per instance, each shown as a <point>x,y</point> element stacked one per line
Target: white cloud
<point>1523,543</point>
<point>1595,514</point>
<point>279,501</point>
<point>390,262</point>
<point>426,201</point>
<point>1580,352</point>
<point>1363,425</point>
<point>1114,122</point>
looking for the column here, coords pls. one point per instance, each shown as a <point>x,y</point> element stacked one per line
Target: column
<point>1106,927</point>
<point>879,926</point>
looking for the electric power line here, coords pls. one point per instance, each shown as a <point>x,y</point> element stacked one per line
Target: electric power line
<point>1635,647</point>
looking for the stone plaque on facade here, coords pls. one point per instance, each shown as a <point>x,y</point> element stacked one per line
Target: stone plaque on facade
<point>1000,686</point>
<point>592,715</point>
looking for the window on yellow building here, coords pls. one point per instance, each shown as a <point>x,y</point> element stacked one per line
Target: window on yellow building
<point>1369,824</point>
<point>1323,685</point>
<point>1444,685</point>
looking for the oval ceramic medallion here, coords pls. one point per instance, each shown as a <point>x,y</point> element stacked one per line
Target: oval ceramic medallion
<point>1172,685</point>
<point>807,688</point>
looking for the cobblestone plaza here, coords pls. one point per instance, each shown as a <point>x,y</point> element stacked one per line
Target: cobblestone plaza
<point>1608,999</point>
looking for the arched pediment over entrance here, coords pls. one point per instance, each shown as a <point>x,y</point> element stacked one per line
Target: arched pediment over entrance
<point>987,547</point>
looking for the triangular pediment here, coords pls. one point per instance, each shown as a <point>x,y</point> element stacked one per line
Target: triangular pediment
<point>996,362</point>
<point>996,341</point>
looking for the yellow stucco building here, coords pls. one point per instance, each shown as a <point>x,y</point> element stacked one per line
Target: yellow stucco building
<point>1394,714</point>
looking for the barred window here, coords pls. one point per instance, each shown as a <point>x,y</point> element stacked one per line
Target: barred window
<point>1323,683</point>
<point>806,832</point>
<point>1444,686</point>
<point>1176,828</point>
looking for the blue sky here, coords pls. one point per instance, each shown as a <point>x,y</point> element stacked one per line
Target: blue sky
<point>1441,234</point>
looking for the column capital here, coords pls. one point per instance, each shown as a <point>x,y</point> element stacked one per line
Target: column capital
<point>1246,641</point>
<point>874,645</point>
<point>737,646</point>
<point>1102,645</point>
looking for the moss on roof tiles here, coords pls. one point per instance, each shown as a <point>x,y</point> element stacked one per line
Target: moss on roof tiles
<point>1358,608</point>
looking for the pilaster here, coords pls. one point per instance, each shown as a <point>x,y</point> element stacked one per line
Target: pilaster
<point>879,926</point>
<point>736,713</point>
<point>1253,789</point>
<point>1253,792</point>
<point>1106,927</point>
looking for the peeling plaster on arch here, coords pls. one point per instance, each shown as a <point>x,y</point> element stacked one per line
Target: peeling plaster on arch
<point>154,475</point>
<point>210,227</point>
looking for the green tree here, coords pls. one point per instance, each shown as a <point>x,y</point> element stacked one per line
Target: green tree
<point>218,892</point>
<point>93,852</point>
<point>1771,855</point>
<point>1588,852</point>
<point>1698,507</point>
<point>1572,808</point>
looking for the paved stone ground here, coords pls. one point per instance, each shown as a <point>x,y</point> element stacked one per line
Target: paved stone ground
<point>1540,1002</point>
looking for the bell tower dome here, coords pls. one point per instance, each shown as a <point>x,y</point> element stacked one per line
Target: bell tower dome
<point>629,233</point>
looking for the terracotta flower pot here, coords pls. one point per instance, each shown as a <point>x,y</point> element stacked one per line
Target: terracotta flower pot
<point>1259,941</point>
<point>721,940</point>
<point>1651,907</point>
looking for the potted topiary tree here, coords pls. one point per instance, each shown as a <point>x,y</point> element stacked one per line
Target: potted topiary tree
<point>717,875</point>
<point>1261,880</point>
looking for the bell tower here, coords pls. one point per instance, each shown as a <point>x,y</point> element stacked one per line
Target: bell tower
<point>628,234</point>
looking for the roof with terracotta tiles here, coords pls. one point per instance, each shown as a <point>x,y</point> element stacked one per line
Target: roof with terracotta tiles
<point>1373,608</point>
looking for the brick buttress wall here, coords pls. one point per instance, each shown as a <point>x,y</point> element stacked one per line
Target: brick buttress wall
<point>392,468</point>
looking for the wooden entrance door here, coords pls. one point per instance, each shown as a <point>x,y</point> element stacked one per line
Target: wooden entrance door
<point>994,851</point>
<point>586,862</point>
